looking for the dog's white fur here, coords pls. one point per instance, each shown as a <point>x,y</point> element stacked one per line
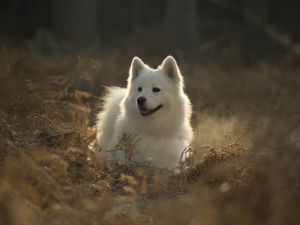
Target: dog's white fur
<point>160,137</point>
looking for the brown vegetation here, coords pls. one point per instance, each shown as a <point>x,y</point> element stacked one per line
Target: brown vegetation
<point>245,170</point>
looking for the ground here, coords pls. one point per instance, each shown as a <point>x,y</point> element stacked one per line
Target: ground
<point>245,169</point>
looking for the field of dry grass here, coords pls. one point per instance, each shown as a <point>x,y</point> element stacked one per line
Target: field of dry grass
<point>246,168</point>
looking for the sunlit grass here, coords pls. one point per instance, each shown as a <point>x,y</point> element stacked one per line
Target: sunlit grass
<point>245,165</point>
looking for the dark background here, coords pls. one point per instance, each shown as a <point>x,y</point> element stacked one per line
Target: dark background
<point>174,25</point>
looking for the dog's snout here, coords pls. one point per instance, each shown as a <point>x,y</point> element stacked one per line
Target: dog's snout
<point>141,100</point>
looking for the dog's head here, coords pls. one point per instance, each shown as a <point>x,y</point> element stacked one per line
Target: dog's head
<point>153,90</point>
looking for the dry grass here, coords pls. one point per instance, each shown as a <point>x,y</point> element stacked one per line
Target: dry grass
<point>243,172</point>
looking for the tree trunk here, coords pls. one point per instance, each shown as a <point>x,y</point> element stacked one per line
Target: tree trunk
<point>181,23</point>
<point>76,21</point>
<point>257,42</point>
<point>137,14</point>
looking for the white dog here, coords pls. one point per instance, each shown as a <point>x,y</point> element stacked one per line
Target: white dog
<point>153,112</point>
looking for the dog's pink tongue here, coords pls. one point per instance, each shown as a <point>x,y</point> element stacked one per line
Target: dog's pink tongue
<point>144,110</point>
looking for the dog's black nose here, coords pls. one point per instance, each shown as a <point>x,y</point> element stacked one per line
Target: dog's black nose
<point>141,100</point>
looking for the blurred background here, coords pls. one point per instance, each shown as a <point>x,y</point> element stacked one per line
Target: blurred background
<point>260,28</point>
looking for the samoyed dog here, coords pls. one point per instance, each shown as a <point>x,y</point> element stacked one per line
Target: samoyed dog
<point>153,113</point>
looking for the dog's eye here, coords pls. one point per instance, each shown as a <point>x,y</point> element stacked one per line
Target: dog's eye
<point>140,89</point>
<point>156,89</point>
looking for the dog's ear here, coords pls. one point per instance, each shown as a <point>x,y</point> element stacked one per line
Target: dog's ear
<point>136,66</point>
<point>170,67</point>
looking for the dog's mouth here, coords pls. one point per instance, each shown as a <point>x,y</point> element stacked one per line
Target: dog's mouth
<point>146,112</point>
